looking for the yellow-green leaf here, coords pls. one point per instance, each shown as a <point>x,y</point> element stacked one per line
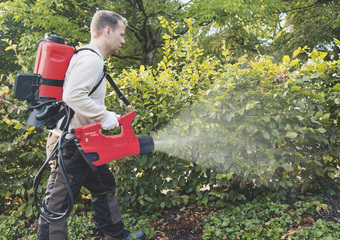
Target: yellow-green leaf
<point>286,59</point>
<point>18,126</point>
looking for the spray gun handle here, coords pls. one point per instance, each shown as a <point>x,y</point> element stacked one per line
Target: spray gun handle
<point>127,118</point>
<point>125,124</point>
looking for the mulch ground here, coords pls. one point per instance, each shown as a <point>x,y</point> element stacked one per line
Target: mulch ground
<point>186,223</point>
<point>333,204</point>
<point>182,223</point>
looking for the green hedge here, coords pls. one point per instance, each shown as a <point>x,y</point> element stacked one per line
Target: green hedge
<point>237,128</point>
<point>21,154</point>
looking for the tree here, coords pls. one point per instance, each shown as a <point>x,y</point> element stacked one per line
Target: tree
<point>310,23</point>
<point>144,30</point>
<point>274,28</point>
<point>67,18</point>
<point>244,27</point>
<point>8,30</point>
<point>71,20</point>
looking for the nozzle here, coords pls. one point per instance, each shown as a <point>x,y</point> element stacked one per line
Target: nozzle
<point>146,144</point>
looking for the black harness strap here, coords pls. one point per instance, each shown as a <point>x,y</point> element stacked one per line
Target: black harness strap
<point>90,49</point>
<point>108,77</point>
<point>101,79</point>
<point>52,82</point>
<point>114,86</point>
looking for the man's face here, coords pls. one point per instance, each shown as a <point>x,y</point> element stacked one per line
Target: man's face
<point>117,38</point>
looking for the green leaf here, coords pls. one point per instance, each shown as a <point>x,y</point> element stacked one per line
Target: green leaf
<point>296,88</point>
<point>294,62</point>
<point>291,135</point>
<point>287,167</point>
<point>321,130</point>
<point>318,114</point>
<point>149,199</point>
<point>320,172</point>
<point>9,122</point>
<point>300,117</point>
<point>325,117</point>
<point>337,87</point>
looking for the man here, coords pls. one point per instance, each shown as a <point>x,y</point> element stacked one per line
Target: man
<point>84,73</point>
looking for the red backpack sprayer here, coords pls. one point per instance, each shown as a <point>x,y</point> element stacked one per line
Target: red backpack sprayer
<point>43,92</point>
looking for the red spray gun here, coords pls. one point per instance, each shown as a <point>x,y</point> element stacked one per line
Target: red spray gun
<point>98,149</point>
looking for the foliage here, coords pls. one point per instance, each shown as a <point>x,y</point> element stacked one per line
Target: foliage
<point>81,227</point>
<point>13,228</point>
<point>319,230</point>
<point>135,222</point>
<point>268,217</point>
<point>262,117</point>
<point>158,95</point>
<point>309,23</point>
<point>261,126</point>
<point>272,27</point>
<point>245,27</point>
<point>144,32</point>
<point>26,22</point>
<point>266,117</point>
<point>21,151</point>
<point>64,18</point>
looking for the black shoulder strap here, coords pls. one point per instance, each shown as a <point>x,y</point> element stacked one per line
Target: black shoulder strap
<point>100,81</point>
<point>114,86</point>
<point>92,50</point>
<point>108,77</point>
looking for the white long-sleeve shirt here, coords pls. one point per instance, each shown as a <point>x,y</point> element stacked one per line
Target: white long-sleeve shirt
<point>83,73</point>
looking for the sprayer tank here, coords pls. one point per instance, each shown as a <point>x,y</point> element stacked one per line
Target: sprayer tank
<point>51,63</point>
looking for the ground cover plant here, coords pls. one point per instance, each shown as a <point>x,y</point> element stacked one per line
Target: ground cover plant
<point>268,216</point>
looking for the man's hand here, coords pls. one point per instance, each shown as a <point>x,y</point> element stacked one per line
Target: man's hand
<point>111,122</point>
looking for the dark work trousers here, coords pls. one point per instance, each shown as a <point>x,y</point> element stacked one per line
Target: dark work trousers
<point>100,183</point>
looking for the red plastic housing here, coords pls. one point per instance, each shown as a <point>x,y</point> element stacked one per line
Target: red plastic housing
<point>99,149</point>
<point>51,63</point>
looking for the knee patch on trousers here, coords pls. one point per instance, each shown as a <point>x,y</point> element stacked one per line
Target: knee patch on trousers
<point>107,213</point>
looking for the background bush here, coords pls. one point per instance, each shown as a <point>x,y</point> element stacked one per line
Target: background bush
<point>257,126</point>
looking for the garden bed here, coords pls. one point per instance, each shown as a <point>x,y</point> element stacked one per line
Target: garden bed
<point>188,222</point>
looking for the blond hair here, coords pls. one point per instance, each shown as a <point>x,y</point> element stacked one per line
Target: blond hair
<point>103,19</point>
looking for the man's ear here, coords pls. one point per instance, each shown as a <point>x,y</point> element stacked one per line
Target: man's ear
<point>107,32</point>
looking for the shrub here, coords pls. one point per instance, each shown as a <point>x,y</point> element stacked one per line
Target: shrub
<point>21,153</point>
<point>236,128</point>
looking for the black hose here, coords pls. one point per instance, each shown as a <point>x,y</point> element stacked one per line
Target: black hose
<point>58,148</point>
<point>37,106</point>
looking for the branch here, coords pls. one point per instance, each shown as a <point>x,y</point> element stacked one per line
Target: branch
<point>296,9</point>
